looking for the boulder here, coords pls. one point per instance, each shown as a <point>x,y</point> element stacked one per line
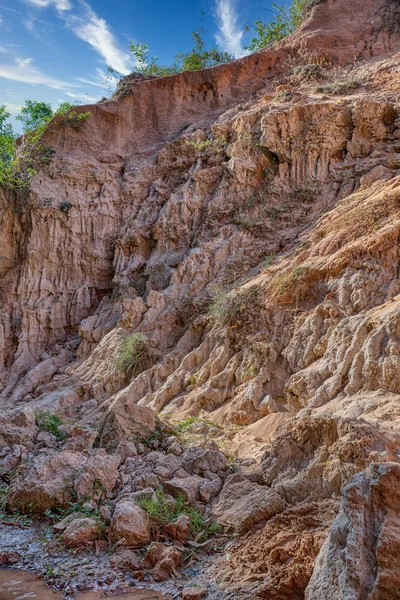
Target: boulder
<point>361,556</point>
<point>175,449</point>
<point>242,504</point>
<point>63,524</point>
<point>46,482</point>
<point>179,530</point>
<point>10,458</point>
<point>188,487</point>
<point>198,461</point>
<point>9,557</point>
<point>98,477</point>
<point>126,560</point>
<point>125,420</point>
<point>18,427</point>
<point>126,450</point>
<point>194,593</point>
<point>80,440</point>
<point>79,531</point>
<point>130,522</point>
<point>164,559</point>
<point>209,489</point>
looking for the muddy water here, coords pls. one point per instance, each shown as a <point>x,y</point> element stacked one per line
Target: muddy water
<point>20,585</point>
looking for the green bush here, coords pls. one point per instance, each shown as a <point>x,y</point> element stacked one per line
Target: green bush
<point>286,21</point>
<point>199,57</point>
<point>19,162</point>
<point>48,421</point>
<point>161,511</point>
<point>339,87</point>
<point>132,355</point>
<point>229,309</point>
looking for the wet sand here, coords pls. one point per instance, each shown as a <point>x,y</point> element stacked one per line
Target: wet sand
<point>20,585</point>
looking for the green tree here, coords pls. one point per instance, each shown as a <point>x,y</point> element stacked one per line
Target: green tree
<point>287,20</point>
<point>199,57</point>
<point>7,136</point>
<point>34,114</point>
<point>18,164</point>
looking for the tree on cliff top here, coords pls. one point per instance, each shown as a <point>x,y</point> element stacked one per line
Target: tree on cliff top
<point>287,20</point>
<point>199,57</point>
<point>18,166</point>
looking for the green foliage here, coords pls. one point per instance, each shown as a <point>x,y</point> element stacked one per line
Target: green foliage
<point>19,162</point>
<point>267,260</point>
<point>192,380</point>
<point>71,116</point>
<point>47,421</point>
<point>7,136</point>
<point>290,280</point>
<point>132,355</point>
<point>59,512</point>
<point>161,511</point>
<point>34,114</point>
<point>285,22</point>
<point>339,87</point>
<point>188,423</point>
<point>229,309</point>
<point>199,57</point>
<point>215,144</point>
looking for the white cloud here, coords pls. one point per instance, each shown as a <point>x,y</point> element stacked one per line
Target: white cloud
<point>95,31</point>
<point>102,80</point>
<point>230,35</point>
<point>13,109</point>
<point>60,5</point>
<point>23,70</point>
<point>83,97</point>
<point>29,24</point>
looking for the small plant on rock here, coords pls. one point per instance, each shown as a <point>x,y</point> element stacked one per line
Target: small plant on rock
<point>230,309</point>
<point>48,421</point>
<point>132,355</point>
<point>163,510</point>
<point>339,87</point>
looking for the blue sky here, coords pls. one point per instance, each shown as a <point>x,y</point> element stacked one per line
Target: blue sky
<point>59,50</point>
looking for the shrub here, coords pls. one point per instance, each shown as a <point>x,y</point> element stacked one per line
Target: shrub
<point>267,260</point>
<point>161,511</point>
<point>339,87</point>
<point>198,58</point>
<point>132,355</point>
<point>191,380</point>
<point>19,162</point>
<point>291,282</point>
<point>48,421</point>
<point>308,72</point>
<point>306,193</point>
<point>237,314</point>
<point>226,308</point>
<point>185,425</point>
<point>34,114</point>
<point>286,21</point>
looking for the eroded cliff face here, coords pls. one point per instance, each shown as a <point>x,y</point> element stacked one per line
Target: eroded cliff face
<point>246,220</point>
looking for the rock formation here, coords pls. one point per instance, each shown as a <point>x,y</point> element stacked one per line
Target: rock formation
<point>235,232</point>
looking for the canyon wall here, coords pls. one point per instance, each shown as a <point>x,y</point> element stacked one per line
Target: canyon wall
<point>245,221</point>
